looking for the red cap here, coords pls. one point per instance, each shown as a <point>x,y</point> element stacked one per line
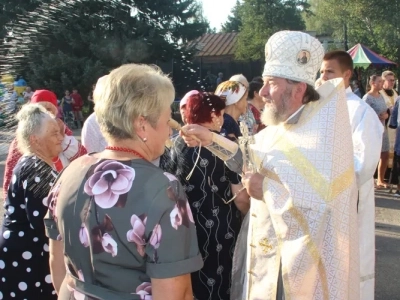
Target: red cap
<point>44,96</point>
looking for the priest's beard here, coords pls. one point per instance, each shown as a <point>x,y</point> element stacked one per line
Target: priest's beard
<point>274,114</point>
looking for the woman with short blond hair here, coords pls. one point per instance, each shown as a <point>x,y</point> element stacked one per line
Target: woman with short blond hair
<point>122,225</point>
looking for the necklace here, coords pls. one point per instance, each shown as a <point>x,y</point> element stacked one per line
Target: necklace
<point>127,150</point>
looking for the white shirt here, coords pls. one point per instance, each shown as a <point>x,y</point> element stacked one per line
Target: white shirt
<point>92,138</point>
<point>367,132</point>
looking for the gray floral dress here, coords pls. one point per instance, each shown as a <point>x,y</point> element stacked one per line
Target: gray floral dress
<point>122,223</point>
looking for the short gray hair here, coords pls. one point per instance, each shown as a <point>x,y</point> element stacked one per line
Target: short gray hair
<point>127,93</point>
<point>310,94</point>
<point>387,73</point>
<point>30,118</point>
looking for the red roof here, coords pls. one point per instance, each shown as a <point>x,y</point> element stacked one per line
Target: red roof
<point>215,44</point>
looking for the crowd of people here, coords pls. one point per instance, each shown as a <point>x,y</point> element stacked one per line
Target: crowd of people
<point>125,215</point>
<point>69,107</point>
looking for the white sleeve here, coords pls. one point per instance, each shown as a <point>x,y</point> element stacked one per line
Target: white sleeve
<point>367,144</point>
<point>71,149</point>
<point>91,138</point>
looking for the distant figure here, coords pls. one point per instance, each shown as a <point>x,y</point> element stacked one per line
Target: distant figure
<point>10,98</point>
<point>27,94</point>
<point>220,78</point>
<point>356,89</point>
<point>210,81</point>
<point>77,105</point>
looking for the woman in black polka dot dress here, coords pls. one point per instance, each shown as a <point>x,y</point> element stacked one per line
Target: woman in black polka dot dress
<point>24,256</point>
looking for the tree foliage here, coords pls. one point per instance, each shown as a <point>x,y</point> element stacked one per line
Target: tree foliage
<point>64,43</point>
<point>234,22</point>
<point>374,23</point>
<point>262,18</point>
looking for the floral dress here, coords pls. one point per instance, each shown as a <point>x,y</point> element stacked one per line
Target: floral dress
<point>24,249</point>
<point>217,222</point>
<point>121,223</point>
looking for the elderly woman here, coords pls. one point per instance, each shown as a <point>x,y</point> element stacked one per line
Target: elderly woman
<point>72,148</point>
<point>122,226</point>
<point>24,257</point>
<point>214,196</point>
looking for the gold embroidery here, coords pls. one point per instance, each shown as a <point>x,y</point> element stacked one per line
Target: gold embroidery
<point>312,248</point>
<point>326,190</point>
<point>269,174</point>
<point>265,245</point>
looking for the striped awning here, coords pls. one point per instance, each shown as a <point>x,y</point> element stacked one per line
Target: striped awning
<point>364,57</point>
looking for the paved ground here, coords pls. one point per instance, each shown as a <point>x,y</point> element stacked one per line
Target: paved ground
<point>387,235</point>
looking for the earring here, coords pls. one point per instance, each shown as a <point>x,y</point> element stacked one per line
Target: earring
<point>144,140</point>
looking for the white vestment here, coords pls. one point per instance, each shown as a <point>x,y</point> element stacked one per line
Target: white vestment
<point>307,221</point>
<point>367,130</point>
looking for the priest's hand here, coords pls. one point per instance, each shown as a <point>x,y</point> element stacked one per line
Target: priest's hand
<point>253,182</point>
<point>194,134</point>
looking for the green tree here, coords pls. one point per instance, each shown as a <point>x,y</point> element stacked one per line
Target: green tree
<point>260,19</point>
<point>373,23</point>
<point>234,21</point>
<point>71,43</point>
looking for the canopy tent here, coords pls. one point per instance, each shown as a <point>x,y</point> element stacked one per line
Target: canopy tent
<point>363,57</point>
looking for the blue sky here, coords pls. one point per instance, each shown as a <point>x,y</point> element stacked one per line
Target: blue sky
<point>217,11</point>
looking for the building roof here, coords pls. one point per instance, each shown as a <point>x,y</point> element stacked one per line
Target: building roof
<point>215,44</point>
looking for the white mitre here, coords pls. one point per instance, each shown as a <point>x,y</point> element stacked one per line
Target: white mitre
<point>293,55</point>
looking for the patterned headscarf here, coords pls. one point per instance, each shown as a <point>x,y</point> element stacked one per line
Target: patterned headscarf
<point>231,91</point>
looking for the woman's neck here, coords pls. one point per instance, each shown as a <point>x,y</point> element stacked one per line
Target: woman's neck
<point>233,112</point>
<point>374,92</point>
<point>257,103</point>
<point>46,159</point>
<point>136,145</point>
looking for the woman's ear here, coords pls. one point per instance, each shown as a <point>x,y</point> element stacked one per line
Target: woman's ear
<point>34,141</point>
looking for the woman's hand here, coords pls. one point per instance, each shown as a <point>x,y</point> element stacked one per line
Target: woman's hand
<point>194,134</point>
<point>383,116</point>
<point>242,200</point>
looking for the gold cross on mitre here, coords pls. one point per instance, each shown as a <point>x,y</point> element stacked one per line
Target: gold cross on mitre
<point>265,245</point>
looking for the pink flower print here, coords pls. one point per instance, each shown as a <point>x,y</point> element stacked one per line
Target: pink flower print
<point>176,217</point>
<point>109,244</point>
<point>170,176</point>
<point>181,214</point>
<point>101,240</point>
<point>84,236</point>
<point>77,295</point>
<point>110,179</point>
<point>144,291</point>
<point>51,200</point>
<point>155,237</point>
<point>136,234</point>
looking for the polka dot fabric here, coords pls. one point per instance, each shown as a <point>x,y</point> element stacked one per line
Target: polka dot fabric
<point>24,250</point>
